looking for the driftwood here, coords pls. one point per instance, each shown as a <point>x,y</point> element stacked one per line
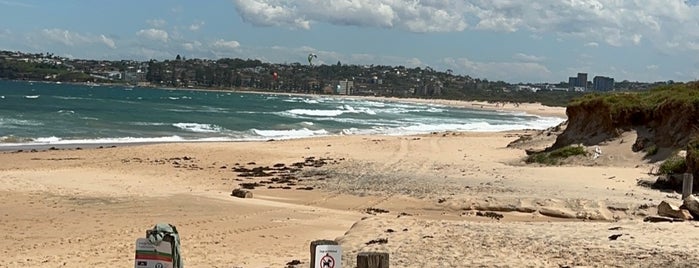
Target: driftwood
<point>241,193</point>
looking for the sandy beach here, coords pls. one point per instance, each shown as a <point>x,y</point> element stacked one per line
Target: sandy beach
<point>86,207</point>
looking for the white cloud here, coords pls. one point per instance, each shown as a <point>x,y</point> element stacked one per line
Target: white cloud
<point>72,39</point>
<point>223,44</point>
<point>108,41</point>
<point>416,16</point>
<point>156,23</point>
<point>527,58</point>
<point>196,26</point>
<point>614,22</point>
<point>15,4</point>
<point>652,67</point>
<point>191,46</point>
<point>153,34</point>
<point>65,37</point>
<point>591,44</point>
<point>506,71</point>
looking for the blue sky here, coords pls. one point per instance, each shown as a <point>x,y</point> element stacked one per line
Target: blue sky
<point>510,40</point>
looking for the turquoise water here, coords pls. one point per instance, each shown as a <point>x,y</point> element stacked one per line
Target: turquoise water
<point>48,113</point>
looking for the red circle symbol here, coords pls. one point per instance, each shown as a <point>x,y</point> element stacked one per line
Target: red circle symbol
<point>327,261</point>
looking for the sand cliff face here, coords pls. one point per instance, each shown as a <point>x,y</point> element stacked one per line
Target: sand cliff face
<point>668,125</point>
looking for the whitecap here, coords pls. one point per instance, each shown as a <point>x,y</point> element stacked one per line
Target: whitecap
<point>199,128</point>
<point>292,133</point>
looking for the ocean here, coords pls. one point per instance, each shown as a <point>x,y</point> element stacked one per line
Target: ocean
<point>38,113</point>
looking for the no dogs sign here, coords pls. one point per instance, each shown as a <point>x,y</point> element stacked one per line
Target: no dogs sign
<point>328,256</point>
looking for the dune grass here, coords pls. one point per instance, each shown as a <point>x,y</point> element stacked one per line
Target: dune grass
<point>627,103</point>
<point>673,165</point>
<point>555,157</point>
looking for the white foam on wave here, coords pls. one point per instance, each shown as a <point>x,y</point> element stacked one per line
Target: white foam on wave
<point>316,112</point>
<point>69,98</point>
<point>18,122</point>
<point>59,141</point>
<point>122,140</point>
<point>345,109</point>
<point>149,124</point>
<point>403,110</point>
<point>199,128</point>
<point>482,126</point>
<point>290,134</point>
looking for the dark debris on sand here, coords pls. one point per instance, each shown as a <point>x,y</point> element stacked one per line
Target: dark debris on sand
<point>281,175</point>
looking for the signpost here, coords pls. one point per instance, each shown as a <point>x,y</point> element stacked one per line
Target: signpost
<point>328,256</point>
<point>149,255</point>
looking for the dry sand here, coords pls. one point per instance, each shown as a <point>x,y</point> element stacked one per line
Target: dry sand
<point>85,208</point>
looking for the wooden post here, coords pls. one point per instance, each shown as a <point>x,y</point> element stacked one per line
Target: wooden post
<point>372,260</point>
<point>316,243</point>
<point>687,182</point>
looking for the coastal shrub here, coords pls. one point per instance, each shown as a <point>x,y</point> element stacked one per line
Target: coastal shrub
<point>554,157</point>
<point>693,153</point>
<point>673,165</point>
<point>651,150</point>
<point>626,106</point>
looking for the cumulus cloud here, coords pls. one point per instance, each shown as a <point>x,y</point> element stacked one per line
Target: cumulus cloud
<point>156,23</point>
<point>527,58</point>
<point>153,34</point>
<point>617,23</point>
<point>416,16</point>
<point>65,37</point>
<point>191,46</point>
<point>223,44</point>
<point>196,26</point>
<point>591,44</point>
<point>108,41</point>
<point>72,39</point>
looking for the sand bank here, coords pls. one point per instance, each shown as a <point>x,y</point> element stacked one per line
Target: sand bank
<point>78,208</point>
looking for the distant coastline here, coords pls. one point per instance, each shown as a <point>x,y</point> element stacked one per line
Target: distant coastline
<point>528,108</point>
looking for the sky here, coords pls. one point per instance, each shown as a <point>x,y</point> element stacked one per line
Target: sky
<point>509,40</point>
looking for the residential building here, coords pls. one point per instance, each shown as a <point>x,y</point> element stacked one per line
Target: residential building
<point>345,87</point>
<point>582,80</point>
<point>572,82</point>
<point>602,83</point>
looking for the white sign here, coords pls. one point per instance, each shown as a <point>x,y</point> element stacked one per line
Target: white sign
<point>152,256</point>
<point>328,256</point>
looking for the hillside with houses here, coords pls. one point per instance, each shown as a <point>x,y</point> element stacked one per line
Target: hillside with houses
<point>249,74</point>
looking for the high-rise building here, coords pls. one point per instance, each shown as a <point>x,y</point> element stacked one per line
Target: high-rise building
<point>572,82</point>
<point>602,83</point>
<point>582,80</point>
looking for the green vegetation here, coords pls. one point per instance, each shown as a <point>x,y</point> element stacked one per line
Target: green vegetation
<point>673,165</point>
<point>693,154</point>
<point>554,157</point>
<point>631,106</point>
<point>651,150</point>
<point>29,70</point>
